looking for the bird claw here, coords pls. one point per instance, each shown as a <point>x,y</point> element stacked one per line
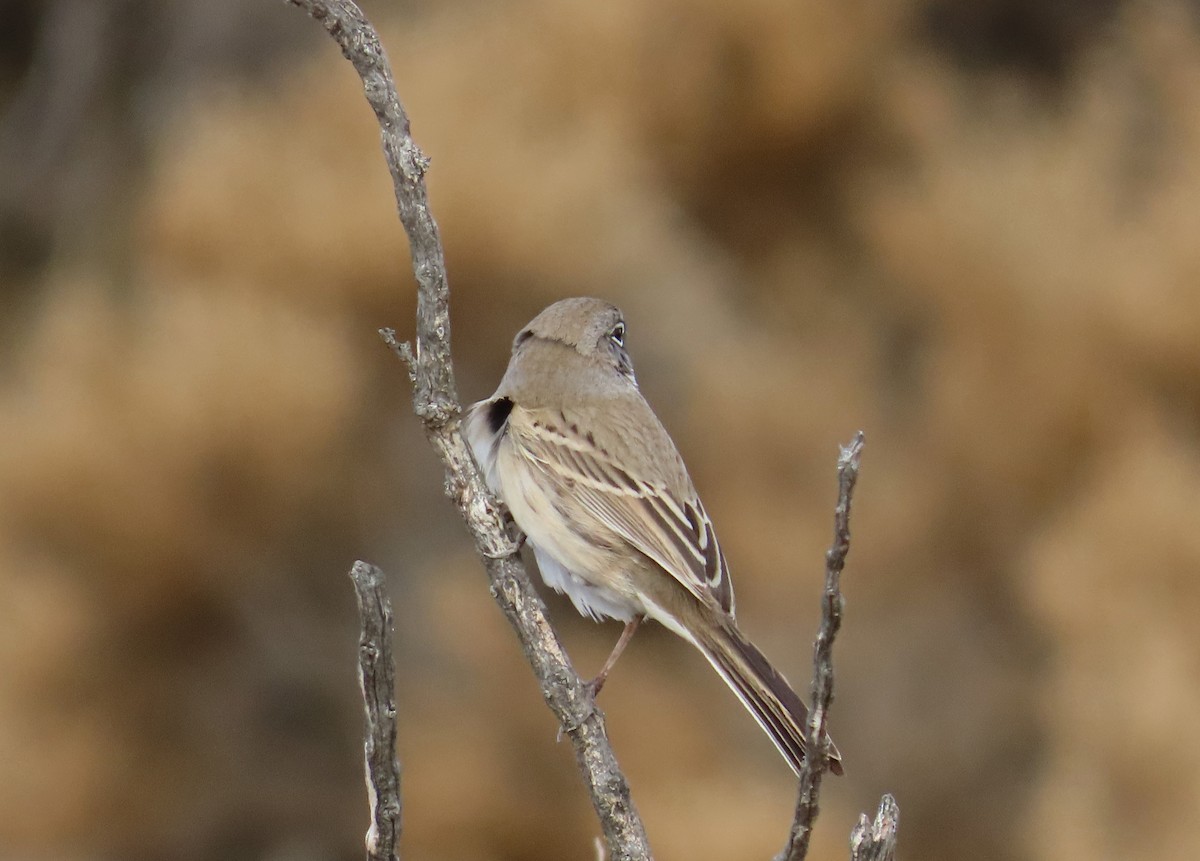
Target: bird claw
<point>511,549</point>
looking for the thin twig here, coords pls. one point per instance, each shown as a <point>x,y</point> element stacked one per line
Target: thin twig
<point>876,841</point>
<point>435,401</point>
<point>817,742</point>
<point>377,678</point>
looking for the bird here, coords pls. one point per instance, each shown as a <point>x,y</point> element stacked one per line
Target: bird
<point>596,485</point>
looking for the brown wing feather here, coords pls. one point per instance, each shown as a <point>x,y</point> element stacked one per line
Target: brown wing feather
<point>676,533</point>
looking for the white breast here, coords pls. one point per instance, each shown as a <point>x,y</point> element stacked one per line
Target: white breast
<point>568,563</point>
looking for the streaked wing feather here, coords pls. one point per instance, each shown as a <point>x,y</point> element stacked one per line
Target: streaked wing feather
<point>677,534</point>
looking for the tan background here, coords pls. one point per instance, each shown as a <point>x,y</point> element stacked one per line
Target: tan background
<point>973,232</point>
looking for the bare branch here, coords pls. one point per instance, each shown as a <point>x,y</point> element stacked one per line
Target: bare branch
<point>876,841</point>
<point>817,742</point>
<point>377,678</point>
<point>435,401</point>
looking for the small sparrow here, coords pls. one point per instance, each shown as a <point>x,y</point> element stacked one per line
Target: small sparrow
<point>594,481</point>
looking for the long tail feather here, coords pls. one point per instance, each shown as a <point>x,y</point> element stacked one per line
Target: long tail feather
<point>764,692</point>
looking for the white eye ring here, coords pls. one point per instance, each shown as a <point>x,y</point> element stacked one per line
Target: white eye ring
<point>617,335</point>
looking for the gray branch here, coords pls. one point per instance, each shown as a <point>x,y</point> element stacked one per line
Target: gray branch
<point>435,401</point>
<point>876,841</point>
<point>377,678</point>
<point>817,742</point>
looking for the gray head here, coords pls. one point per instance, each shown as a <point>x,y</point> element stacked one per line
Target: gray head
<point>592,327</point>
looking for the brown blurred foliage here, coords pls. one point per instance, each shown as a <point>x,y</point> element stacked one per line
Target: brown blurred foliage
<point>970,230</point>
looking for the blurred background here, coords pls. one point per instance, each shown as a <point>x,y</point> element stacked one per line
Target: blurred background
<point>971,229</point>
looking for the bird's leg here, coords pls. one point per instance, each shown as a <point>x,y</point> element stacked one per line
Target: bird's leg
<point>630,627</point>
<point>515,543</point>
<point>511,523</point>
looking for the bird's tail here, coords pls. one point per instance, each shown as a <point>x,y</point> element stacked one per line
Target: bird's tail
<point>764,692</point>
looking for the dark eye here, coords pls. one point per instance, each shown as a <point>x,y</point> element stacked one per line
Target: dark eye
<point>617,335</point>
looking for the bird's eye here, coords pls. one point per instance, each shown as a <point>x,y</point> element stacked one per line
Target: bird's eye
<point>617,335</point>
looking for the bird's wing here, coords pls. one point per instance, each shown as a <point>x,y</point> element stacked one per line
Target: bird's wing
<point>674,532</point>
